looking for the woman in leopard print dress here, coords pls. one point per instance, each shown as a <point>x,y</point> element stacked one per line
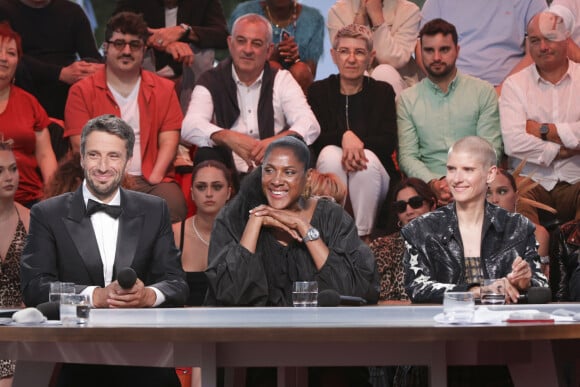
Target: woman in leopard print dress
<point>14,219</point>
<point>413,198</point>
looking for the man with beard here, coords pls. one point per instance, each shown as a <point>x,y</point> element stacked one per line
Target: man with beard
<point>87,237</point>
<point>147,102</point>
<point>441,109</point>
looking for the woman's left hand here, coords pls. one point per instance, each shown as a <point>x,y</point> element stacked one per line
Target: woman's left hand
<point>282,219</point>
<point>288,50</point>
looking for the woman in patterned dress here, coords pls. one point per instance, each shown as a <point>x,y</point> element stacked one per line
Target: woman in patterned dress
<point>413,198</point>
<point>14,219</point>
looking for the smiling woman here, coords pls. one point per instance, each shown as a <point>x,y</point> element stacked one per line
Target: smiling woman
<point>269,236</point>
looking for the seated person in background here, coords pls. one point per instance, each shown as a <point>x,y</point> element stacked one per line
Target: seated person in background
<point>51,48</point>
<point>358,126</point>
<point>441,109</point>
<point>395,26</point>
<point>147,102</point>
<point>73,238</point>
<point>492,34</point>
<point>457,246</point>
<point>14,220</point>
<point>504,192</point>
<point>540,120</point>
<point>565,281</point>
<point>184,36</point>
<point>324,186</point>
<point>211,188</point>
<point>270,236</point>
<point>244,104</point>
<point>569,10</point>
<point>25,122</point>
<point>413,198</point>
<point>298,35</point>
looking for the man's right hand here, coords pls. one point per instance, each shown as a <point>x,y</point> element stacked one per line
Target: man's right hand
<point>441,189</point>
<point>77,71</point>
<point>241,144</point>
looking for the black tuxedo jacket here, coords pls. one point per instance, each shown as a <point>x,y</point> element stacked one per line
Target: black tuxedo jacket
<point>62,246</point>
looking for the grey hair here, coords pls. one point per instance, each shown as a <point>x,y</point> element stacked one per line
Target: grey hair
<point>255,18</point>
<point>355,31</point>
<point>111,124</point>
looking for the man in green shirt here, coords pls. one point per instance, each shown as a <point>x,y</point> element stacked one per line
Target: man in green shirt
<point>441,109</point>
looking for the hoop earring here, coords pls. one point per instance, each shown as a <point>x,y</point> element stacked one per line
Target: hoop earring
<point>399,224</point>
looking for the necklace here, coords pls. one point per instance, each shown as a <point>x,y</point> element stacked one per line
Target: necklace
<point>198,233</point>
<point>280,24</point>
<point>346,108</point>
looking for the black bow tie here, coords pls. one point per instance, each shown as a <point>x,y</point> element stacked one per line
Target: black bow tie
<point>112,211</point>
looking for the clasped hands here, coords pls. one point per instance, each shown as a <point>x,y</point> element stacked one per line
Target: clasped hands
<point>288,51</point>
<point>114,296</point>
<point>167,40</point>
<point>353,152</point>
<point>284,220</point>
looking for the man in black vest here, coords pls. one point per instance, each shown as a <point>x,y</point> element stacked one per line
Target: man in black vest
<point>243,104</point>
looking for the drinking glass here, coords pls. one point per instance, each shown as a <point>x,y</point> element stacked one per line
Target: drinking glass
<point>492,292</point>
<point>305,293</point>
<point>74,309</point>
<point>58,288</point>
<point>458,307</point>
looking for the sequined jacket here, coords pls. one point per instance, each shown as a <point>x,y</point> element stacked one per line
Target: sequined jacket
<point>434,261</point>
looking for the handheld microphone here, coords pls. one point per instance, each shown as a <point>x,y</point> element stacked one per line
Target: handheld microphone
<point>536,295</point>
<point>51,310</point>
<point>330,297</point>
<point>127,278</point>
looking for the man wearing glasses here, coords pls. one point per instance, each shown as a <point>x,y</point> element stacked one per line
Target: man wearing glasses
<point>441,109</point>
<point>147,102</point>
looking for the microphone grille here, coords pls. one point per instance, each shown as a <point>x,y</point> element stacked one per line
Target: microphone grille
<point>127,278</point>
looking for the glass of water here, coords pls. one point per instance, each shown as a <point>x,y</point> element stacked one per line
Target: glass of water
<point>493,292</point>
<point>305,293</point>
<point>74,309</point>
<point>58,288</point>
<point>458,307</point>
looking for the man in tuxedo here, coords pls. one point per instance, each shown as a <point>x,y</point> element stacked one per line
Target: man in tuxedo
<point>88,236</point>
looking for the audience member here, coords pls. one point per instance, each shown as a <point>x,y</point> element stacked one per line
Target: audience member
<point>457,246</point>
<point>413,198</point>
<point>324,186</point>
<point>441,109</point>
<point>540,121</point>
<point>211,188</point>
<point>147,102</point>
<point>358,126</point>
<point>298,35</point>
<point>23,120</point>
<point>182,31</point>
<point>491,34</point>
<point>244,104</point>
<point>569,10</point>
<point>74,238</point>
<point>504,192</point>
<point>54,34</point>
<point>565,282</point>
<point>14,220</point>
<point>395,25</point>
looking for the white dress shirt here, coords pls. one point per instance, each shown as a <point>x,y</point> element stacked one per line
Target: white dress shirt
<point>291,111</point>
<point>106,229</point>
<point>527,96</point>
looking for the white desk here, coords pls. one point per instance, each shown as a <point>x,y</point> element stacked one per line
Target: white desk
<point>294,337</point>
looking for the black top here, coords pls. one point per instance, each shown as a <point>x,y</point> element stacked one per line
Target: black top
<point>238,277</point>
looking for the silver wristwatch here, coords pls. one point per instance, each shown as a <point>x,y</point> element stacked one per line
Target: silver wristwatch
<point>311,235</point>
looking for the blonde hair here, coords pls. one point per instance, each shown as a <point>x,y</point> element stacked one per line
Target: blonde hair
<point>326,185</point>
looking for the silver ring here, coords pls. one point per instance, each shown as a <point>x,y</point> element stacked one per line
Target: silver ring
<point>159,41</point>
